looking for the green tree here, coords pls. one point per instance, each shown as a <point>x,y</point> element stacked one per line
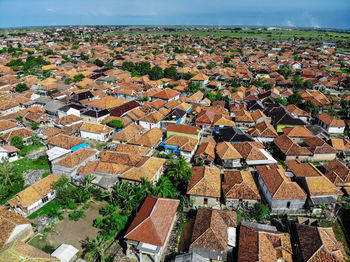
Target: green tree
<point>180,173</point>
<point>34,139</point>
<point>7,173</point>
<point>170,72</point>
<point>142,68</point>
<point>115,123</point>
<point>282,101</point>
<point>78,78</point>
<point>17,141</point>
<point>21,87</point>
<point>312,108</point>
<point>99,62</point>
<point>193,87</point>
<point>260,212</point>
<point>180,64</point>
<point>165,188</point>
<point>308,85</point>
<point>156,73</point>
<point>227,59</point>
<point>211,96</point>
<point>298,82</point>
<point>295,99</point>
<point>68,81</point>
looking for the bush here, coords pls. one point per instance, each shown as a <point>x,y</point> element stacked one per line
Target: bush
<point>17,141</point>
<point>115,123</point>
<point>260,212</point>
<point>21,87</point>
<point>76,215</point>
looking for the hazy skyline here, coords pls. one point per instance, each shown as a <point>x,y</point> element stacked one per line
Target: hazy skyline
<point>310,13</point>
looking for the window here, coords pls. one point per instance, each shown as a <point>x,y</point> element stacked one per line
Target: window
<point>288,204</point>
<point>45,199</point>
<point>205,201</point>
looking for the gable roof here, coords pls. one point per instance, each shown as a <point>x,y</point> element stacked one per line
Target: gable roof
<point>319,244</point>
<point>290,147</point>
<point>18,251</point>
<point>338,173</point>
<point>184,143</point>
<point>8,222</point>
<point>239,185</point>
<point>226,151</point>
<point>211,228</point>
<point>34,193</point>
<point>331,121</point>
<point>153,221</point>
<point>205,181</point>
<point>184,129</point>
<point>260,243</point>
<point>279,185</point>
<point>263,129</point>
<point>77,157</point>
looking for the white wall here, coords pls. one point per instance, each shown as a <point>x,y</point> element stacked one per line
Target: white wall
<point>90,135</point>
<point>149,125</point>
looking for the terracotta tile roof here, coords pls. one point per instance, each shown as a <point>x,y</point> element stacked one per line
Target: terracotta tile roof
<point>340,144</point>
<point>205,181</point>
<point>184,129</point>
<point>151,138</point>
<point>51,132</point>
<point>257,114</point>
<point>65,141</point>
<point>106,102</point>
<point>257,244</point>
<point>8,222</point>
<point>298,131</point>
<point>68,119</point>
<point>184,143</point>
<point>76,158</point>
<point>96,128</point>
<point>131,149</point>
<point>303,169</point>
<point>147,168</point>
<point>318,146</point>
<point>222,120</point>
<point>127,133</point>
<point>289,147</point>
<point>337,173</point>
<point>243,116</point>
<point>297,111</point>
<point>102,168</point>
<point>18,251</point>
<point>321,186</point>
<point>120,158</point>
<point>199,77</point>
<point>34,193</point>
<point>263,129</point>
<point>211,228</point>
<point>153,221</point>
<point>156,103</point>
<point>153,117</point>
<point>206,150</point>
<point>319,244</point>
<point>250,150</point>
<point>331,121</point>
<point>5,124</point>
<point>226,150</point>
<point>239,185</point>
<point>166,94</point>
<point>21,132</point>
<point>279,185</point>
<point>205,117</point>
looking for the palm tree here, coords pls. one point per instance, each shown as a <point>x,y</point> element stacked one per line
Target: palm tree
<point>165,188</point>
<point>179,170</point>
<point>7,173</point>
<point>87,182</point>
<point>96,249</point>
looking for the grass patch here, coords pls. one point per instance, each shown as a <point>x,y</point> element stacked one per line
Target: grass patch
<point>338,232</point>
<point>26,149</point>
<point>53,205</point>
<point>26,164</point>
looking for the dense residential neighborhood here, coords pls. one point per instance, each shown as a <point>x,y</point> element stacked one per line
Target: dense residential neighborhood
<point>172,147</point>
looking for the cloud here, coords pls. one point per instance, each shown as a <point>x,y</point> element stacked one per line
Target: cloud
<point>50,10</point>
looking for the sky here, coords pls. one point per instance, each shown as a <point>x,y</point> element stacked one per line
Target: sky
<point>300,13</point>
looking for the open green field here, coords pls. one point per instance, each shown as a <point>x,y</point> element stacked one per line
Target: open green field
<point>263,34</point>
